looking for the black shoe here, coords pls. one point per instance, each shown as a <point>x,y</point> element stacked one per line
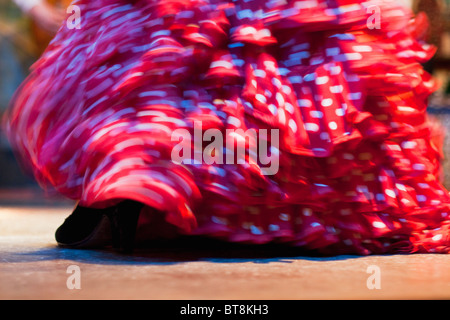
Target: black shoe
<point>124,222</point>
<point>86,228</point>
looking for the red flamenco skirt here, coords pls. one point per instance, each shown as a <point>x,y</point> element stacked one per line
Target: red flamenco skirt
<point>356,171</point>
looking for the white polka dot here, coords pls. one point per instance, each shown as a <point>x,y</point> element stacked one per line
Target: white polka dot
<point>296,79</point>
<point>325,136</point>
<point>334,70</point>
<point>405,201</point>
<point>316,114</point>
<point>340,112</point>
<point>390,193</point>
<point>428,84</point>
<point>259,73</point>
<point>280,99</point>
<point>349,56</point>
<point>161,33</point>
<point>255,230</point>
<point>362,48</point>
<point>362,189</point>
<point>437,237</point>
<point>261,98</point>
<point>292,125</point>
<point>337,89</point>
<point>263,33</point>
<point>332,51</point>
<point>281,116</point>
<point>309,77</point>
<point>287,90</point>
<point>421,54</point>
<point>355,95</point>
<point>316,60</point>
<point>421,198</point>
<point>270,65</point>
<point>327,102</point>
<point>322,80</point>
<point>304,103</point>
<point>247,31</point>
<point>289,108</point>
<point>394,147</point>
<point>333,125</point>
<point>276,82</point>
<point>311,127</point>
<point>274,227</point>
<point>406,109</point>
<point>234,121</point>
<point>221,63</point>
<point>307,212</point>
<point>409,144</point>
<point>418,166</point>
<point>315,224</point>
<point>273,109</point>
<point>378,224</point>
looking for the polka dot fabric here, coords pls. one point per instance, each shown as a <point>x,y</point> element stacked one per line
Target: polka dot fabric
<point>357,175</point>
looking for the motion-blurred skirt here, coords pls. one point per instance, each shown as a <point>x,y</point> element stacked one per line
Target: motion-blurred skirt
<point>334,88</point>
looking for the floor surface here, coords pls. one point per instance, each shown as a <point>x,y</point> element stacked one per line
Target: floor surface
<point>33,267</point>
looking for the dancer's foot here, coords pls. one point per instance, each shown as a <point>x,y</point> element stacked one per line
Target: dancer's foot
<point>124,222</point>
<point>86,228</point>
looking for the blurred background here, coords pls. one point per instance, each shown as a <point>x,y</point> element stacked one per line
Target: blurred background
<point>25,32</point>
